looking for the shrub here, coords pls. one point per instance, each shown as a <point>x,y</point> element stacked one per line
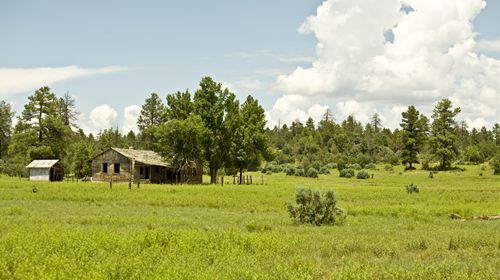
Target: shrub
<point>312,173</point>
<point>275,168</point>
<point>354,166</point>
<point>363,175</point>
<point>347,173</point>
<point>495,163</point>
<point>315,208</point>
<point>324,170</point>
<point>411,188</point>
<point>388,168</point>
<point>299,172</point>
<point>331,165</point>
<point>290,171</point>
<point>431,175</point>
<point>371,166</point>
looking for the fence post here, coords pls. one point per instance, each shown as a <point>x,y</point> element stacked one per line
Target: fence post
<point>111,183</point>
<point>262,177</point>
<point>138,183</point>
<point>251,181</point>
<point>130,183</point>
<point>222,181</point>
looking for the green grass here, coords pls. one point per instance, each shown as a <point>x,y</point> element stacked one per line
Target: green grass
<point>87,231</point>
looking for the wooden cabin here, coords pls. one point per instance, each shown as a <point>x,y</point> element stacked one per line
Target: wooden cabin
<point>123,165</point>
<point>49,170</point>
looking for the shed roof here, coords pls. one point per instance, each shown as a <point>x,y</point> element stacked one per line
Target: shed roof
<point>45,163</point>
<point>143,156</point>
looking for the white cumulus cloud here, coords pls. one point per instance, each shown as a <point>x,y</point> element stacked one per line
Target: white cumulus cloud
<point>130,115</point>
<point>100,118</point>
<point>433,55</point>
<point>16,80</point>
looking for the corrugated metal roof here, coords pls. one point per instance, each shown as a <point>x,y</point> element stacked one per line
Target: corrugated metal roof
<point>143,156</point>
<point>46,163</point>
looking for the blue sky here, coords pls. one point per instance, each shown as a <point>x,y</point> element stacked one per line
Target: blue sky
<point>165,46</point>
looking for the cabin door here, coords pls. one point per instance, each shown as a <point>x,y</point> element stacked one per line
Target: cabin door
<point>146,173</point>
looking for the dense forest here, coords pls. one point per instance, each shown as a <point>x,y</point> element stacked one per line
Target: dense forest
<point>211,128</point>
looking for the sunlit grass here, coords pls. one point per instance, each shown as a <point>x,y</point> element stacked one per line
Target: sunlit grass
<point>87,230</point>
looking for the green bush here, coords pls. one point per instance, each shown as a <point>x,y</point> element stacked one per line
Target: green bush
<point>347,173</point>
<point>315,208</point>
<point>324,170</point>
<point>312,173</point>
<point>495,163</point>
<point>290,171</point>
<point>371,166</point>
<point>354,166</point>
<point>431,175</point>
<point>411,188</point>
<point>363,175</point>
<point>331,165</point>
<point>299,172</point>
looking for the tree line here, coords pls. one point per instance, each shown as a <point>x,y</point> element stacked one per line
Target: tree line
<point>211,129</point>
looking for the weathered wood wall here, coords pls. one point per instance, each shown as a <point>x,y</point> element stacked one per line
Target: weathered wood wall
<point>111,157</point>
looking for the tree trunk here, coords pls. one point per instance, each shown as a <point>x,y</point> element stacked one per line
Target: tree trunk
<point>213,175</point>
<point>241,175</point>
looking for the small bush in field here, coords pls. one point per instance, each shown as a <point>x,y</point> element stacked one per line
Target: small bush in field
<point>363,175</point>
<point>371,166</point>
<point>347,173</point>
<point>332,165</point>
<point>312,173</point>
<point>290,171</point>
<point>411,188</point>
<point>324,170</point>
<point>354,166</point>
<point>315,208</point>
<point>431,175</point>
<point>299,172</point>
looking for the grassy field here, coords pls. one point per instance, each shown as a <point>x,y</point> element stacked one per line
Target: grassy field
<point>87,231</point>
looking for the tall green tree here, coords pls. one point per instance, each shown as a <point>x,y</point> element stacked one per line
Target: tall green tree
<point>210,103</point>
<point>40,132</point>
<point>151,116</point>
<point>67,110</point>
<point>179,105</point>
<point>414,131</point>
<point>249,146</point>
<point>443,140</point>
<point>6,116</point>
<point>181,142</point>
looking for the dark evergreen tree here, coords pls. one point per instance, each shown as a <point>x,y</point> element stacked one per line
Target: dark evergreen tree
<point>414,132</point>
<point>443,140</point>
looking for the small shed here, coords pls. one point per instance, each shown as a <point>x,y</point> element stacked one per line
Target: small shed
<point>49,170</point>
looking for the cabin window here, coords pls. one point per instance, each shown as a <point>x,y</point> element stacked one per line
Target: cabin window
<point>117,168</point>
<point>104,168</point>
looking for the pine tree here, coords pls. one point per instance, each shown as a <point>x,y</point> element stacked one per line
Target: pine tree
<point>443,140</point>
<point>414,129</point>
<point>152,113</point>
<point>67,110</point>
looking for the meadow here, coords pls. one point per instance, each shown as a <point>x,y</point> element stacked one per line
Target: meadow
<point>89,231</point>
